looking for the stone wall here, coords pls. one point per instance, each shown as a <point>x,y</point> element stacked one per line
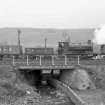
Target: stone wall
<point>77,79</point>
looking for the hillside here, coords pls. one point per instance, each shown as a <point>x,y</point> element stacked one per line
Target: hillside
<point>35,37</point>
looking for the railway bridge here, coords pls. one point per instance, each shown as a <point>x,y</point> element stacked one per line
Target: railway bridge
<point>42,64</point>
<point>43,67</point>
<point>46,62</point>
<point>49,63</point>
<point>46,65</point>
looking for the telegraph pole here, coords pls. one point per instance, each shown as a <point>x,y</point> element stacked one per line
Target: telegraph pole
<point>19,43</point>
<point>45,42</point>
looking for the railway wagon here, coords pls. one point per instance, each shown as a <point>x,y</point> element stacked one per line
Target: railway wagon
<point>33,52</point>
<point>7,51</point>
<point>102,48</point>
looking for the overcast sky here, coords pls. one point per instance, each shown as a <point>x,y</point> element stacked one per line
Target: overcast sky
<point>52,13</point>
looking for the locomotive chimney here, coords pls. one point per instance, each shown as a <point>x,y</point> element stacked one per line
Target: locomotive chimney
<point>89,42</point>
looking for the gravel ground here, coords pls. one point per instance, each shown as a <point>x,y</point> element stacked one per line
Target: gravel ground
<point>23,94</point>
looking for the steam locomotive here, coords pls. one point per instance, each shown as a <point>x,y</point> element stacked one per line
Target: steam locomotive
<point>66,49</point>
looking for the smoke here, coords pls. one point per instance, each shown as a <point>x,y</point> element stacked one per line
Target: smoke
<point>66,37</point>
<point>99,35</point>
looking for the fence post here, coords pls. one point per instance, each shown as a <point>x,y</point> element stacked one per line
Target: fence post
<point>53,60</point>
<point>40,60</point>
<point>27,60</point>
<point>13,60</point>
<point>65,60</point>
<point>78,60</point>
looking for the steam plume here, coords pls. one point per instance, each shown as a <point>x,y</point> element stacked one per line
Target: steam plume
<point>99,35</point>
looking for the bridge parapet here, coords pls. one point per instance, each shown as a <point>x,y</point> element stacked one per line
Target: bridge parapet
<point>51,61</point>
<point>43,60</point>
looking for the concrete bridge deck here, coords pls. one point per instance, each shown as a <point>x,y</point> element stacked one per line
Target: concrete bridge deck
<point>52,67</point>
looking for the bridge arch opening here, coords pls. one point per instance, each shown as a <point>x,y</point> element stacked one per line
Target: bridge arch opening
<point>38,77</point>
<point>31,77</point>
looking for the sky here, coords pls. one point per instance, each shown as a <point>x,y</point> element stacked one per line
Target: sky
<point>52,13</point>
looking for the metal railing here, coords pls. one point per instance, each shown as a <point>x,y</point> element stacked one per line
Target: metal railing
<point>41,60</point>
